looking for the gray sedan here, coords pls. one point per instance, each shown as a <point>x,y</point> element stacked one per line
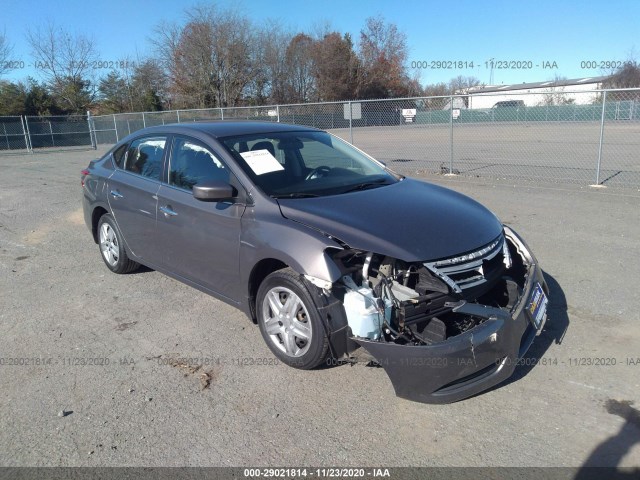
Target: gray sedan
<point>325,248</point>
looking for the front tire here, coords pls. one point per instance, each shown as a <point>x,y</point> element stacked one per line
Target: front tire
<point>112,248</point>
<point>289,322</point>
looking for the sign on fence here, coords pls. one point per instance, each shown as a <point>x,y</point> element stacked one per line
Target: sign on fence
<point>356,110</point>
<point>409,114</point>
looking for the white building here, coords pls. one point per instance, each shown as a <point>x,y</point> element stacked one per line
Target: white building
<point>577,91</point>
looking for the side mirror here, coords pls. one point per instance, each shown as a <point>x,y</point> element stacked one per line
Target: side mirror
<point>213,191</point>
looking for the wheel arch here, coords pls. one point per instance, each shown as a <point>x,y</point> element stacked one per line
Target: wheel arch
<point>259,272</point>
<point>331,312</point>
<point>96,214</point>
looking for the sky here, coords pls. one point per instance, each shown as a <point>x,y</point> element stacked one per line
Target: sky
<point>529,41</point>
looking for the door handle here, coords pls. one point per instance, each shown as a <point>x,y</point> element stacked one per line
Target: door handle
<point>168,212</point>
<point>116,194</point>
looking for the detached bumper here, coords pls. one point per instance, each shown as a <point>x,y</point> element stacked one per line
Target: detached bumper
<point>466,364</point>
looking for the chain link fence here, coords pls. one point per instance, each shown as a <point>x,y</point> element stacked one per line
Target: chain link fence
<point>58,131</point>
<point>586,137</point>
<point>12,134</point>
<point>30,133</point>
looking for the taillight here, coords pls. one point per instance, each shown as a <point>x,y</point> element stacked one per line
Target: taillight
<point>83,174</point>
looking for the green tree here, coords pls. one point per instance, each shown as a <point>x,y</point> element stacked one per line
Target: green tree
<point>30,98</point>
<point>73,95</point>
<point>150,101</point>
<point>148,86</point>
<point>12,98</point>
<point>38,101</point>
<point>114,94</point>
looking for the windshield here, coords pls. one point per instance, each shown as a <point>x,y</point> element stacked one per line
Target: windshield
<point>305,164</point>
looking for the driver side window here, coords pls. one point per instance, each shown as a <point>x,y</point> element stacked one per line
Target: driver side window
<point>193,163</point>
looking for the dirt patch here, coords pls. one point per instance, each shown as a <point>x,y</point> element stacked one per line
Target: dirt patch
<point>76,217</point>
<point>121,327</point>
<point>40,234</point>
<point>206,376</point>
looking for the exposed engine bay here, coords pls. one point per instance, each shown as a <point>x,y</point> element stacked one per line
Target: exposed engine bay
<point>388,300</point>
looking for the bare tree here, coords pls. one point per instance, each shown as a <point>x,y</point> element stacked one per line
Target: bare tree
<point>6,50</point>
<point>300,68</point>
<point>209,58</point>
<point>166,40</point>
<point>555,93</point>
<point>272,62</point>
<point>186,52</point>
<point>285,64</point>
<point>437,90</point>
<point>383,54</point>
<point>137,87</point>
<point>335,67</point>
<point>461,84</point>
<point>627,76</point>
<point>65,63</point>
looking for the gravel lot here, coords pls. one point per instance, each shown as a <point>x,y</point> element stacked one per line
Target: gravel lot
<point>140,405</point>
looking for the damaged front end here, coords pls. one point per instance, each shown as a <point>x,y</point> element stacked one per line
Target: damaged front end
<point>447,329</point>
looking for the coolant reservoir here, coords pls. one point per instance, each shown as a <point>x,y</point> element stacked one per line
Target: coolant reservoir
<point>362,313</point>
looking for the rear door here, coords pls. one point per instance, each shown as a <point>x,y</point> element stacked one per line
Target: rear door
<point>132,192</point>
<point>200,240</point>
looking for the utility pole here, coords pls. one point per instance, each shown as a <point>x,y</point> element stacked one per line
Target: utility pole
<point>491,71</point>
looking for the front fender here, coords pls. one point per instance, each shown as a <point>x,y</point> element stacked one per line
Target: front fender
<point>301,248</point>
<point>308,252</point>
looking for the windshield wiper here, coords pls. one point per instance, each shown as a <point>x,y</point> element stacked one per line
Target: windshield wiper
<point>295,195</point>
<point>365,185</point>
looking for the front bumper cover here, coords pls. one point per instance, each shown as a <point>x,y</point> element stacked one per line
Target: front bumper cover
<point>468,363</point>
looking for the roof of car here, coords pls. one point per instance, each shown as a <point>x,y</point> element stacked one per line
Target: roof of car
<point>225,128</point>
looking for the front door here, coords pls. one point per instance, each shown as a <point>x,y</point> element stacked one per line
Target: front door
<point>200,240</point>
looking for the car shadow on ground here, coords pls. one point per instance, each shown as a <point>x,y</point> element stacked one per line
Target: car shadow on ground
<point>142,269</point>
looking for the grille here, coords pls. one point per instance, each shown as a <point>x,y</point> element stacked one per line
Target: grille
<point>475,269</point>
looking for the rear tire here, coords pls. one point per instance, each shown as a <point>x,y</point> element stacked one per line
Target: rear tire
<point>289,322</point>
<point>111,246</point>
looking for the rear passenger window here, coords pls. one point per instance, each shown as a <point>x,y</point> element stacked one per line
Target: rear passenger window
<point>144,157</point>
<point>192,163</point>
<point>118,155</point>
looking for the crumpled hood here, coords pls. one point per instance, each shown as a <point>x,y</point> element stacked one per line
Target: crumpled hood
<point>409,220</point>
